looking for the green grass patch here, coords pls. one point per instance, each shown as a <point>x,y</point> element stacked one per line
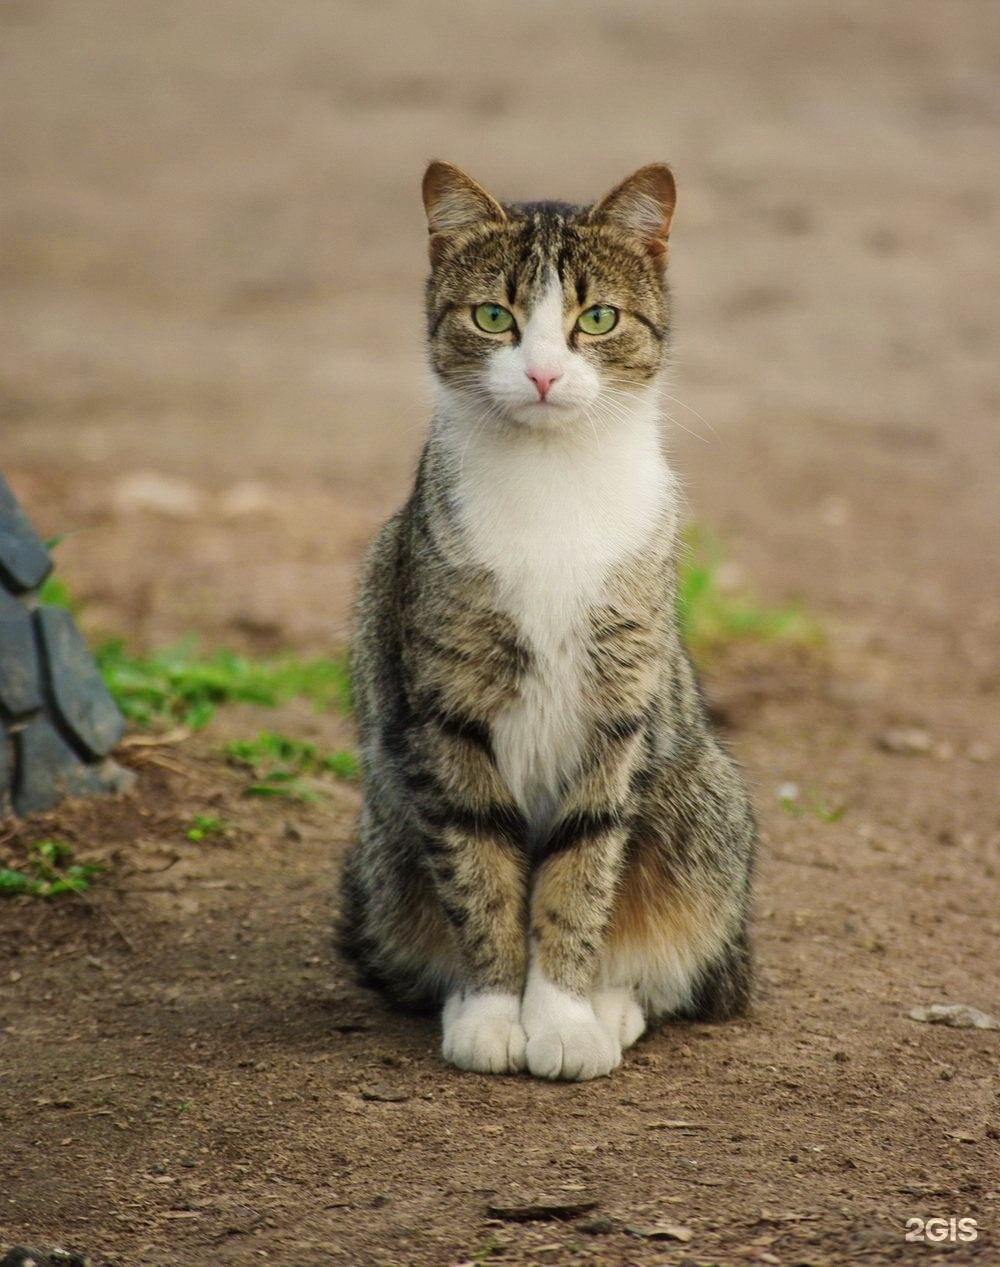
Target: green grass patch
<point>54,592</point>
<point>282,765</point>
<point>711,616</point>
<point>343,764</point>
<point>799,806</point>
<point>50,872</point>
<point>185,685</point>
<point>492,1248</point>
<point>283,783</point>
<point>204,826</point>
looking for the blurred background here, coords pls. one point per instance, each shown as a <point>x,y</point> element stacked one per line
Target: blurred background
<point>212,248</point>
<point>213,388</point>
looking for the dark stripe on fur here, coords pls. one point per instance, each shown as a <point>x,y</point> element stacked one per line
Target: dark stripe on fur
<point>651,326</point>
<point>439,316</point>
<point>578,828</point>
<point>460,726</point>
<point>621,727</point>
<point>497,822</point>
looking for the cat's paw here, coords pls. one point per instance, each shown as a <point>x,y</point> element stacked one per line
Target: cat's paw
<point>618,1012</point>
<point>573,1050</point>
<point>483,1033</point>
<point>565,1037</point>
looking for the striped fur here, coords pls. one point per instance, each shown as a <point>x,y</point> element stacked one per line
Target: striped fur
<point>552,843</point>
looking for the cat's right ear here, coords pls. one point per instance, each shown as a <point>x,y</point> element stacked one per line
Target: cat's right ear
<point>453,202</point>
<point>642,205</point>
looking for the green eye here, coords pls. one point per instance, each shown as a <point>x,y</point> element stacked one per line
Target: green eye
<point>597,320</point>
<point>492,318</point>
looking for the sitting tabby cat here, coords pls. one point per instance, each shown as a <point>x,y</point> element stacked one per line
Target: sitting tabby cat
<point>552,843</point>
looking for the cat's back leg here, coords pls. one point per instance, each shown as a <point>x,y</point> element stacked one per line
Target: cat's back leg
<point>390,923</point>
<point>678,941</point>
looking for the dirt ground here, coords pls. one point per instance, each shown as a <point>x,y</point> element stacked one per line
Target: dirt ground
<point>212,253</point>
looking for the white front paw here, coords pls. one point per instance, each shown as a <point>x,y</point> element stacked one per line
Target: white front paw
<point>565,1038</point>
<point>618,1012</point>
<point>482,1032</point>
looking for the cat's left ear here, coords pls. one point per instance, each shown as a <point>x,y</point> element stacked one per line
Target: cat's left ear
<point>453,202</point>
<point>643,206</point>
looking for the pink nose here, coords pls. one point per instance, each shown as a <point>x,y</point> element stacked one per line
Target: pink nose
<point>543,380</point>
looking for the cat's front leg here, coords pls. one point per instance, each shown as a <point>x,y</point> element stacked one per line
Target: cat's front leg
<point>571,903</point>
<point>480,876</point>
<point>482,885</point>
<point>572,898</point>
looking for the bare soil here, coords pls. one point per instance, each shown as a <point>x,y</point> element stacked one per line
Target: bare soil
<point>212,250</point>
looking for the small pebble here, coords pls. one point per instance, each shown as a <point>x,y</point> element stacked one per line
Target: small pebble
<point>905,741</point>
<point>958,1015</point>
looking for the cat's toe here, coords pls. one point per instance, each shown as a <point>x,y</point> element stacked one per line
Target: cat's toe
<point>575,1051</point>
<point>618,1012</point>
<point>632,1025</point>
<point>482,1033</point>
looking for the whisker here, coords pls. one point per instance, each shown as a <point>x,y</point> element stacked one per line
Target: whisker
<point>692,410</point>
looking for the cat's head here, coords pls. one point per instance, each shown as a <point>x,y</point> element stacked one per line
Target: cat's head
<point>543,314</point>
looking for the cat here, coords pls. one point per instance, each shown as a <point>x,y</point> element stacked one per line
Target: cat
<point>552,844</point>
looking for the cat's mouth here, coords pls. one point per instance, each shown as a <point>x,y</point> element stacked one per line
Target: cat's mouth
<point>541,413</point>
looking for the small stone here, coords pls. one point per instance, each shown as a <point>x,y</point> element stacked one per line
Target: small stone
<point>957,1015</point>
<point>82,700</point>
<point>22,1256</point>
<point>541,1208</point>
<point>158,494</point>
<point>384,1095</point>
<point>24,561</point>
<point>907,741</point>
<point>597,1227</point>
<point>48,769</point>
<point>662,1232</point>
<point>20,688</point>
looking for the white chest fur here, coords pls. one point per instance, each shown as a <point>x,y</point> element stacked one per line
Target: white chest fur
<point>551,514</point>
